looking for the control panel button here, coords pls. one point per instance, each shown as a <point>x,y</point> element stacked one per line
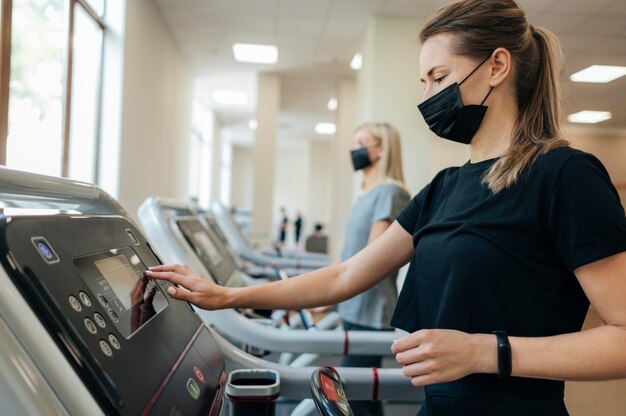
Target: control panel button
<point>113,316</point>
<point>193,388</point>
<point>99,320</point>
<point>115,343</point>
<point>91,327</point>
<point>85,299</point>
<point>198,374</point>
<point>106,349</point>
<point>74,303</point>
<point>103,301</point>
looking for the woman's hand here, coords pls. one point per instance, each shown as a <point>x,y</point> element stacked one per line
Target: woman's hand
<point>195,289</point>
<point>321,309</point>
<point>432,356</point>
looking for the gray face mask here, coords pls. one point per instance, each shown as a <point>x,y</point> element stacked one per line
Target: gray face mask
<point>449,118</point>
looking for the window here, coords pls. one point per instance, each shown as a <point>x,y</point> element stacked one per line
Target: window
<point>35,139</point>
<point>202,131</point>
<point>85,97</point>
<point>56,49</point>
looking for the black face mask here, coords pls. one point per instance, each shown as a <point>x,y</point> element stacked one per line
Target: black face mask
<point>360,158</point>
<point>449,118</point>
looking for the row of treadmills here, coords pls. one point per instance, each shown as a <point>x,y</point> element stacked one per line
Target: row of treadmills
<point>83,332</point>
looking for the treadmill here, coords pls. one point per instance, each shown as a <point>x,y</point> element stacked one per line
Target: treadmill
<point>235,237</point>
<point>155,212</point>
<point>83,332</point>
<point>187,241</point>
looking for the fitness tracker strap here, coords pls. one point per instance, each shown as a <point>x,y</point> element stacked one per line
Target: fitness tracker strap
<point>504,354</point>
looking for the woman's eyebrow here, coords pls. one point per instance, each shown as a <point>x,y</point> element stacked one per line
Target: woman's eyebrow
<point>430,72</point>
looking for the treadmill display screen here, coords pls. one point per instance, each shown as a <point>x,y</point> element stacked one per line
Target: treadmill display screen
<point>116,277</point>
<point>120,275</point>
<point>209,248</point>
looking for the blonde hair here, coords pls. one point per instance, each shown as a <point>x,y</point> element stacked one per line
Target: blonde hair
<point>480,27</point>
<point>389,167</point>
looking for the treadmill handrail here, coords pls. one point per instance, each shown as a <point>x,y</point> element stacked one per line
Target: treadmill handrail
<point>30,190</point>
<point>233,325</point>
<point>360,383</point>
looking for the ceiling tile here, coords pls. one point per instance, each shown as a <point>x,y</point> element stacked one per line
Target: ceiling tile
<point>617,8</point>
<point>250,36</point>
<point>300,26</point>
<point>347,8</point>
<point>301,42</point>
<point>580,7</point>
<point>574,44</point>
<point>304,8</point>
<point>601,26</point>
<point>530,6</point>
<point>251,23</point>
<point>558,23</point>
<point>258,7</point>
<point>346,26</point>
<point>414,9</point>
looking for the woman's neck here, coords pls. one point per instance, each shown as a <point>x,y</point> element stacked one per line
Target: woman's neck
<point>370,178</point>
<point>493,139</point>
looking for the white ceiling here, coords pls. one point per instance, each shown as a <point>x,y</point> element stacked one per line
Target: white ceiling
<point>317,39</point>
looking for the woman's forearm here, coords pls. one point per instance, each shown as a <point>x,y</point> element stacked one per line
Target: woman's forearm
<point>593,354</point>
<point>316,288</point>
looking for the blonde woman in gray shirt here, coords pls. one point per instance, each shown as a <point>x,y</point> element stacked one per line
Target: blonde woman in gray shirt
<point>383,195</point>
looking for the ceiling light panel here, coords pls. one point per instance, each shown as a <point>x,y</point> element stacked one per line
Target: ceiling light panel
<point>599,74</point>
<point>325,128</point>
<point>256,54</point>
<point>357,61</point>
<point>589,117</point>
<point>332,104</point>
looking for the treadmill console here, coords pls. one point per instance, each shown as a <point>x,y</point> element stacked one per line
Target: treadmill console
<point>138,350</point>
<point>205,245</point>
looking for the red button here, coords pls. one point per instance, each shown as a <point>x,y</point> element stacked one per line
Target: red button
<point>199,374</point>
<point>328,386</point>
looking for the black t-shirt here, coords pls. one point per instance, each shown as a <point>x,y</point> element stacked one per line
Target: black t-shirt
<point>505,261</point>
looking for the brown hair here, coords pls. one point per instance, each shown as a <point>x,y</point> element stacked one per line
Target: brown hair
<point>390,164</point>
<point>480,27</point>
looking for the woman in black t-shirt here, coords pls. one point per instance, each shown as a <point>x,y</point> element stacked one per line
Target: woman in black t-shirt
<point>506,251</point>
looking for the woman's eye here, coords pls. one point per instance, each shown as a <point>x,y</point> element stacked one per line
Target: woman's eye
<point>439,79</point>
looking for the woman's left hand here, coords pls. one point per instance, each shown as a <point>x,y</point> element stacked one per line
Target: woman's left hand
<point>430,356</point>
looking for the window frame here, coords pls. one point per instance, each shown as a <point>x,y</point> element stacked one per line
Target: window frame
<point>5,78</point>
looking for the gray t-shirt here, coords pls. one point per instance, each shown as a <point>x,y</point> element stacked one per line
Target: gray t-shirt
<point>375,306</point>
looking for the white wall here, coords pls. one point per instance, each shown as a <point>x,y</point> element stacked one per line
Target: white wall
<point>320,195</point>
<point>295,184</point>
<point>156,114</point>
<point>292,182</point>
<point>242,175</point>
<point>388,89</point>
<point>342,184</point>
<point>268,106</point>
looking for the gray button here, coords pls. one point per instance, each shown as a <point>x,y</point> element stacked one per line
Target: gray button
<point>104,301</point>
<point>113,316</point>
<point>91,327</point>
<point>85,299</point>
<point>74,303</point>
<point>99,320</point>
<point>115,343</point>
<point>106,349</point>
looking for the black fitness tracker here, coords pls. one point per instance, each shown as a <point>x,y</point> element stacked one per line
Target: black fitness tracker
<point>504,354</point>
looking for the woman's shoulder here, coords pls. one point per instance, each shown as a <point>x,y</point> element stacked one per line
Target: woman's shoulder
<point>390,188</point>
<point>556,160</point>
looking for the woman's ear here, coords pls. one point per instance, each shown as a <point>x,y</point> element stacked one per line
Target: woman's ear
<point>501,66</point>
